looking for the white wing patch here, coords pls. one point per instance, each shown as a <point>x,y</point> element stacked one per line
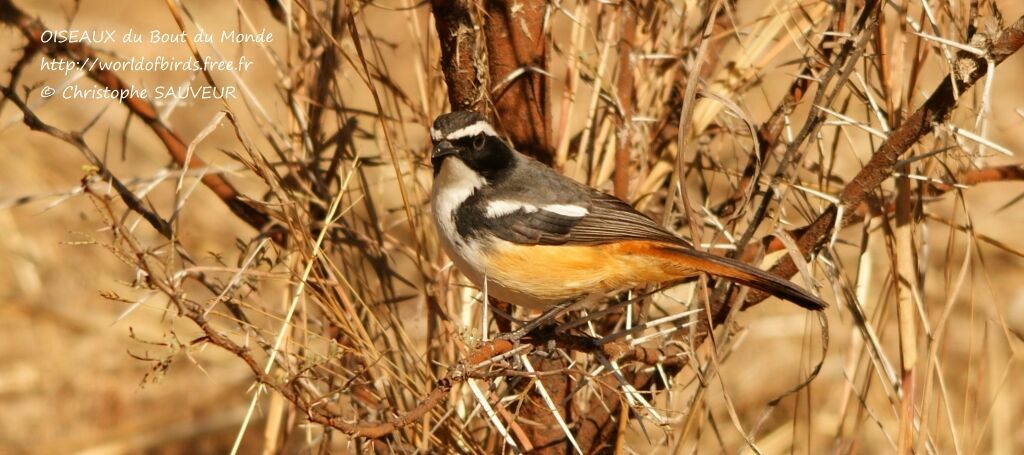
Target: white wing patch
<point>502,208</point>
<point>569,210</point>
<point>469,131</point>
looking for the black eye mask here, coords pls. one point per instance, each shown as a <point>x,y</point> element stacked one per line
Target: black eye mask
<point>492,159</point>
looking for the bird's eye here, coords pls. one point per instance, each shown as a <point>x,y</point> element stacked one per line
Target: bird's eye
<point>478,142</point>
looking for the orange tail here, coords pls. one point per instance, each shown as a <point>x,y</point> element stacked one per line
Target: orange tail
<point>746,275</point>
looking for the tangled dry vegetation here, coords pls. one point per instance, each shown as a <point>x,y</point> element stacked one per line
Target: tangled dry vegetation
<point>837,142</point>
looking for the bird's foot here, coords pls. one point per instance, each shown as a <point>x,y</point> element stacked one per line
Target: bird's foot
<point>544,321</point>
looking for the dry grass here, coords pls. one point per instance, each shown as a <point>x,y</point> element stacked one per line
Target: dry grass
<point>117,337</point>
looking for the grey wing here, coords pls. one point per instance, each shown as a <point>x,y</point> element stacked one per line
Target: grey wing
<point>601,219</point>
<point>542,228</point>
<point>612,219</point>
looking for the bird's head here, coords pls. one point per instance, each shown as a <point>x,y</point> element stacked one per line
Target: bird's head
<point>468,137</point>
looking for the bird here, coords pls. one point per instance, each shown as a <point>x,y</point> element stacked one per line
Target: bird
<point>540,239</point>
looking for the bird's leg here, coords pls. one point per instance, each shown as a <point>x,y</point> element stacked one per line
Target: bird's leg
<point>548,351</point>
<point>504,311</point>
<point>548,316</point>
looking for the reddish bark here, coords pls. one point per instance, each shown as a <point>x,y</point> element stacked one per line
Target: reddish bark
<point>460,61</point>
<point>516,48</point>
<point>624,88</point>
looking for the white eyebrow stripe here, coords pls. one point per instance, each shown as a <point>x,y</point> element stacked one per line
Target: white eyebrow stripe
<point>435,134</point>
<point>497,209</point>
<point>471,130</point>
<point>569,210</point>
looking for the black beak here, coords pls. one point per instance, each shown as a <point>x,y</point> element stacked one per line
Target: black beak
<point>441,150</point>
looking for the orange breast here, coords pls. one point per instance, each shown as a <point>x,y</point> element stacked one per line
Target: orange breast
<point>563,272</point>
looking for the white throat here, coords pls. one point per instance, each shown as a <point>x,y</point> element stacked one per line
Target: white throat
<point>453,184</point>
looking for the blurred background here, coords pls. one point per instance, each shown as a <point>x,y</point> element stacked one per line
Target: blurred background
<point>91,363</point>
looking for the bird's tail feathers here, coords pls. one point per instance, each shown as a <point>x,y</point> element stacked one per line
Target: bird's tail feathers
<point>748,275</point>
